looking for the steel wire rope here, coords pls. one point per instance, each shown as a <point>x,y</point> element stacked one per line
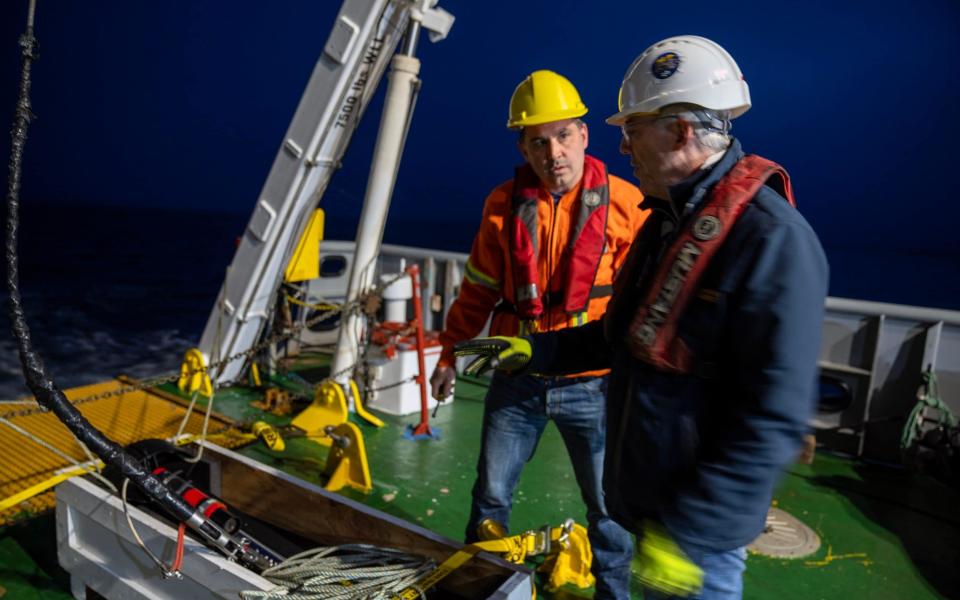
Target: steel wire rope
<point>173,571</point>
<point>393,385</point>
<point>346,572</point>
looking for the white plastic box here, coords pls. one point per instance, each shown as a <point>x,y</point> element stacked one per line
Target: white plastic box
<point>96,547</point>
<point>403,399</point>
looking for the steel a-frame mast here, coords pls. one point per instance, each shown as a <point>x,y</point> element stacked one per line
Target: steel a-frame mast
<point>364,37</point>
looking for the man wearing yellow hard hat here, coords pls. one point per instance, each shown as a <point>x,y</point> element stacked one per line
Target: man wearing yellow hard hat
<point>550,241</point>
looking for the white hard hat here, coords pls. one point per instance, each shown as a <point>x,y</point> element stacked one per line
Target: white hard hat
<point>684,69</point>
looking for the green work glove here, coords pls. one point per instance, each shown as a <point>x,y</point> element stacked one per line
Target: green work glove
<point>498,352</point>
<point>662,566</point>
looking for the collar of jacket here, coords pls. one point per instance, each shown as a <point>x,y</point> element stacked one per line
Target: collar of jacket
<point>688,194</point>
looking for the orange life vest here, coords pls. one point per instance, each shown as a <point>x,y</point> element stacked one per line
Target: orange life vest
<point>652,333</point>
<point>584,249</point>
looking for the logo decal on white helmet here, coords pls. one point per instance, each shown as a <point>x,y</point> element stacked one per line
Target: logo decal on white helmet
<point>665,65</point>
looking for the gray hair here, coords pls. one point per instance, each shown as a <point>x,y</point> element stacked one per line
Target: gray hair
<point>711,128</point>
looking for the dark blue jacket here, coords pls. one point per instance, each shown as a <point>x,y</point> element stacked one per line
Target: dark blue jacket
<point>702,453</point>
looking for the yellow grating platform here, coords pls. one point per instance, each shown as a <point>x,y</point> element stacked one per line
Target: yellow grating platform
<point>124,419</point>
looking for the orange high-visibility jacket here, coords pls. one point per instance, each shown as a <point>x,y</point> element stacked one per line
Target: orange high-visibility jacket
<point>488,278</point>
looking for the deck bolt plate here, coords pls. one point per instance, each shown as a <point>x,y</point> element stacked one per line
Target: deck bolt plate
<point>784,536</point>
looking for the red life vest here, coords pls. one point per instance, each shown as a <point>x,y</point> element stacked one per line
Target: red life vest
<point>652,334</point>
<point>584,248</point>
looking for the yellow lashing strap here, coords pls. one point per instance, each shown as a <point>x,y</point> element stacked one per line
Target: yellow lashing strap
<point>232,439</point>
<point>58,477</point>
<point>269,435</point>
<point>320,306</point>
<point>433,577</point>
<point>552,541</point>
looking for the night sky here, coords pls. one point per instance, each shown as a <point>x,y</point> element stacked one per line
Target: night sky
<point>183,104</point>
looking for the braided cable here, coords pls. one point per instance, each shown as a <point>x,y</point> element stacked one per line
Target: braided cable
<point>347,572</point>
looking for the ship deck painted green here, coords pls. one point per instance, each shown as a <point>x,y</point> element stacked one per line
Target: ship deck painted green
<point>886,532</point>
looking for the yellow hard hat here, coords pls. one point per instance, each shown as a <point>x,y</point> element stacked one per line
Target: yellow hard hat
<point>543,97</point>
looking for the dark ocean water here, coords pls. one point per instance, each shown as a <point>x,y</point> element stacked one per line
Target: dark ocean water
<point>112,290</point>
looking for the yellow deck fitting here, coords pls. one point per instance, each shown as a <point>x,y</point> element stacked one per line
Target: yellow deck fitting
<point>554,542</point>
<point>347,461</point>
<point>329,407</point>
<point>567,548</point>
<point>275,401</point>
<point>193,374</point>
<point>269,435</point>
<point>305,262</point>
<point>572,564</point>
<point>255,374</point>
<point>361,411</point>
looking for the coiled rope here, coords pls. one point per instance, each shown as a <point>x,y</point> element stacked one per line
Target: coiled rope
<point>348,572</point>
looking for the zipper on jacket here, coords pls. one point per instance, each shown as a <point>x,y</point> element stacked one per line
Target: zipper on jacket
<point>554,209</point>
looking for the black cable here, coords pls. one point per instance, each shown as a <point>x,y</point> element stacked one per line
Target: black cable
<point>43,388</point>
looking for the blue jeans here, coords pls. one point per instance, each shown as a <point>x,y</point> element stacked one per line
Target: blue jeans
<point>722,574</point>
<point>515,414</point>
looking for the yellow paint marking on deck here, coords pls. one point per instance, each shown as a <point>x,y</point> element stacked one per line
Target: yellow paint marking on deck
<point>831,557</point>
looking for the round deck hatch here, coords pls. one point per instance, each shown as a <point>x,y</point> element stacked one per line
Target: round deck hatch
<point>784,536</point>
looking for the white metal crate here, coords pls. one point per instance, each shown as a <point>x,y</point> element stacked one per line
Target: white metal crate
<point>95,545</point>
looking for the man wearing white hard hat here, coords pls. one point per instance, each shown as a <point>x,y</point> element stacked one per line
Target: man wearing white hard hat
<point>712,333</point>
